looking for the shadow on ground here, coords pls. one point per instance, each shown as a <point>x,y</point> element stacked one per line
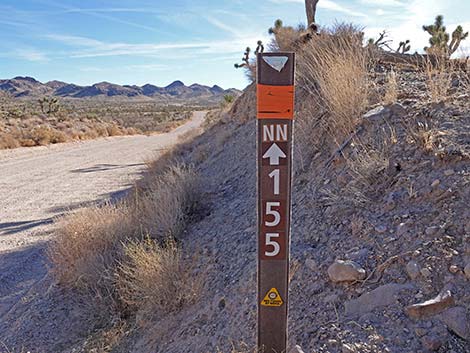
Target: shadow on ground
<point>105,167</point>
<point>9,228</point>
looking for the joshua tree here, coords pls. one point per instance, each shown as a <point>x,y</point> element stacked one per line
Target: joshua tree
<point>259,48</point>
<point>440,38</point>
<point>277,26</point>
<point>311,8</point>
<point>457,37</point>
<point>381,42</point>
<point>246,59</point>
<point>49,105</point>
<point>404,47</point>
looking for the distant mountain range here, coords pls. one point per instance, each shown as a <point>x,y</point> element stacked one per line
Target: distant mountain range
<point>28,87</point>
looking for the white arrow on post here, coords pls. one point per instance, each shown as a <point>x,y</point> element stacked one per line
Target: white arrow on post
<point>274,153</point>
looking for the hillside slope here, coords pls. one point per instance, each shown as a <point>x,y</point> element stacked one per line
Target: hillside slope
<point>399,212</point>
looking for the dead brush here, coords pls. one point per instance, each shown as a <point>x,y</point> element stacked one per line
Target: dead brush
<point>391,88</point>
<point>165,201</point>
<point>154,277</point>
<point>423,134</point>
<point>439,79</point>
<point>366,165</point>
<point>87,246</point>
<point>334,68</point>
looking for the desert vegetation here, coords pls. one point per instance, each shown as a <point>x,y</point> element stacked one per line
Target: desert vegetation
<point>124,257</point>
<point>50,120</point>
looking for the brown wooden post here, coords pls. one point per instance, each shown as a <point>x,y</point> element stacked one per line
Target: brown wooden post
<point>275,106</point>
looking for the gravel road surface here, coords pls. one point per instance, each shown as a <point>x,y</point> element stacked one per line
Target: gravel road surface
<point>37,185</point>
<point>40,183</point>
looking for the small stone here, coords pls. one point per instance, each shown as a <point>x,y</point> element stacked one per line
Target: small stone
<point>311,265</point>
<point>332,298</point>
<point>435,183</point>
<point>299,349</point>
<point>381,229</point>
<point>412,269</point>
<point>347,348</point>
<point>449,172</point>
<point>458,321</point>
<point>402,229</point>
<point>377,114</point>
<point>431,307</point>
<point>431,342</point>
<point>432,230</point>
<point>346,271</point>
<point>222,303</point>
<point>397,109</point>
<point>390,206</point>
<point>420,332</point>
<point>425,272</point>
<point>467,271</point>
<point>453,269</point>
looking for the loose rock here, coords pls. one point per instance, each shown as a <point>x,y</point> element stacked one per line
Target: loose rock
<point>431,342</point>
<point>379,297</point>
<point>346,271</point>
<point>431,307</point>
<point>458,321</point>
<point>412,269</point>
<point>311,265</point>
<point>467,270</point>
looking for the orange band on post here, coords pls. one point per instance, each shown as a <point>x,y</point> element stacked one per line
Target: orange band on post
<point>275,102</point>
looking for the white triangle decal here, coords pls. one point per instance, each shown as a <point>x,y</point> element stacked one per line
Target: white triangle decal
<point>276,62</point>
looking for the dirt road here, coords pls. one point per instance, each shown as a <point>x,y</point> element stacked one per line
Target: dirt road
<point>38,184</point>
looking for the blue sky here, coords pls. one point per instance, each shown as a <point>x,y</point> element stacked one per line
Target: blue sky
<point>159,41</point>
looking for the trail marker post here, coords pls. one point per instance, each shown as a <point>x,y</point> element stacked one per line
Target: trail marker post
<point>275,113</point>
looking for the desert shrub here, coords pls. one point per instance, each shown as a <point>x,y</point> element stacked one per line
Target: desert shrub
<point>334,68</point>
<point>109,251</point>
<point>88,245</point>
<point>166,201</point>
<point>154,277</point>
<point>8,141</point>
<point>44,135</point>
<point>114,130</point>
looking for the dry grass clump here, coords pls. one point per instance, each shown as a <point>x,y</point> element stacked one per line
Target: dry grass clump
<point>116,252</point>
<point>334,68</point>
<point>7,141</point>
<point>155,277</point>
<point>439,79</point>
<point>164,202</point>
<point>391,88</point>
<point>88,244</point>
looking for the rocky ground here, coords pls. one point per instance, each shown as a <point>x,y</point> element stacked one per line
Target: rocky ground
<point>380,245</point>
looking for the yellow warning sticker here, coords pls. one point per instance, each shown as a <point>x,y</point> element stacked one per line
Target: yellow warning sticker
<point>272,298</point>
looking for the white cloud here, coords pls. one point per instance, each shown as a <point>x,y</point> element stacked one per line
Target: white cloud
<point>30,55</point>
<point>327,5</point>
<point>223,26</point>
<point>89,47</point>
<point>383,2</point>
